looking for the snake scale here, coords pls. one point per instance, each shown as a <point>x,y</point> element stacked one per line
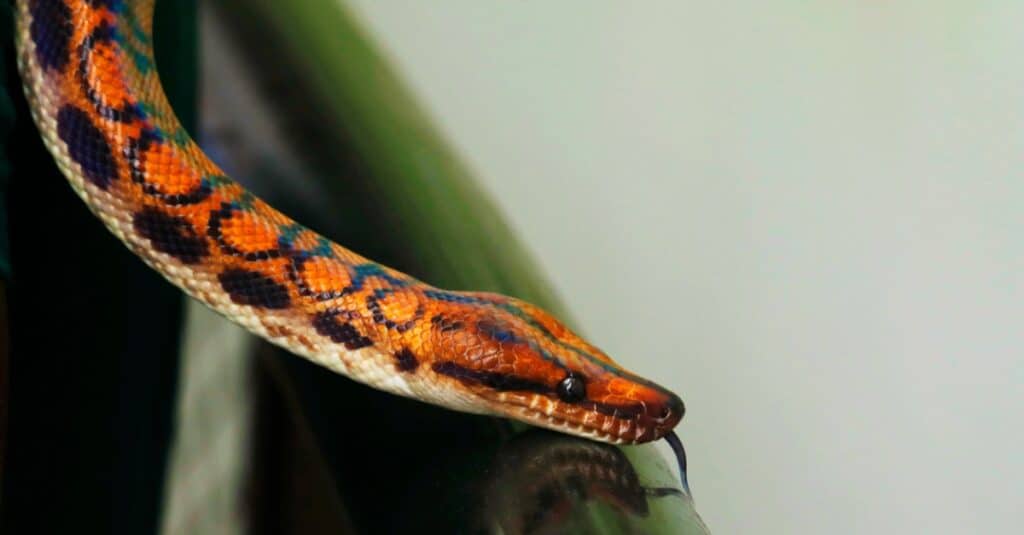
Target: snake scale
<point>92,86</point>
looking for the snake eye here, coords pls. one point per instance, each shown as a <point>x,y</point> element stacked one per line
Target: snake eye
<point>572,389</point>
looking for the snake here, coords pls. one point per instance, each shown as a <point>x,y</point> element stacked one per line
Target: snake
<point>91,83</point>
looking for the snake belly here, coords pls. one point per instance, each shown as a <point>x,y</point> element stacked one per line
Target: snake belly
<point>92,86</point>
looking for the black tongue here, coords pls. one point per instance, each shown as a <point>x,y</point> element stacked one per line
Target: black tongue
<point>677,448</point>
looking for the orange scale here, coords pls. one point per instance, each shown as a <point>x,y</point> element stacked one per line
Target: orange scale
<point>166,170</point>
<point>346,255</point>
<point>546,320</point>
<point>354,302</point>
<point>449,342</point>
<point>104,72</point>
<point>125,131</point>
<point>525,361</point>
<point>374,331</point>
<point>323,276</point>
<point>305,240</point>
<point>275,269</point>
<point>400,306</point>
<point>266,212</point>
<point>403,340</point>
<point>198,214</point>
<point>87,20</point>
<point>203,162</point>
<point>475,348</point>
<point>420,333</point>
<point>618,387</point>
<point>226,193</point>
<point>248,233</point>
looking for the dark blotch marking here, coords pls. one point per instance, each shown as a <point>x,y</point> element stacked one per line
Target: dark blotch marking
<point>494,380</point>
<point>373,306</point>
<point>213,229</point>
<point>405,361</point>
<point>340,332</point>
<point>295,270</point>
<point>128,112</point>
<point>51,32</point>
<point>446,324</point>
<point>498,333</point>
<point>171,235</point>
<point>136,157</point>
<point>86,145</point>
<point>254,289</point>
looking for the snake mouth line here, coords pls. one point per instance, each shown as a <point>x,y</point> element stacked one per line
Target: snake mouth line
<point>614,431</point>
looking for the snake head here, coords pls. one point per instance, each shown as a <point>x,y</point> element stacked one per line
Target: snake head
<point>522,363</point>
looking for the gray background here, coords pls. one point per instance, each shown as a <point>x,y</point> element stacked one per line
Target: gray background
<point>804,217</point>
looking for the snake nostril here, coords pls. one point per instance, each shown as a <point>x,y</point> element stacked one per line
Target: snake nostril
<point>670,411</point>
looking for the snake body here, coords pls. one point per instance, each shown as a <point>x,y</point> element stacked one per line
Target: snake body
<point>92,86</point>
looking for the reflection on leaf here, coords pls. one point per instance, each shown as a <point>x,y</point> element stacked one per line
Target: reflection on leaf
<point>542,482</point>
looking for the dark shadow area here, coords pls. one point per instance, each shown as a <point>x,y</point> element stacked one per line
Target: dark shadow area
<point>93,335</point>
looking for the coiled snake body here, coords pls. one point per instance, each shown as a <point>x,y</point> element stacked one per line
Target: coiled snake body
<point>92,86</point>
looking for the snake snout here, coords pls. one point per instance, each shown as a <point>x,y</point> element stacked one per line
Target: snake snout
<point>666,414</point>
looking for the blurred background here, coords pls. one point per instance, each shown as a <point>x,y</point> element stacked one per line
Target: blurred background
<point>803,217</point>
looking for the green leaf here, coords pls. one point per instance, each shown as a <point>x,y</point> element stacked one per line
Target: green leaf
<point>386,184</point>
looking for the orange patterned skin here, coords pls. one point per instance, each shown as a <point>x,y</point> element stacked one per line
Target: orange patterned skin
<point>91,83</point>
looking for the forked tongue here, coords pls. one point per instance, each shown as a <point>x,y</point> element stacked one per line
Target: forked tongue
<point>677,448</point>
